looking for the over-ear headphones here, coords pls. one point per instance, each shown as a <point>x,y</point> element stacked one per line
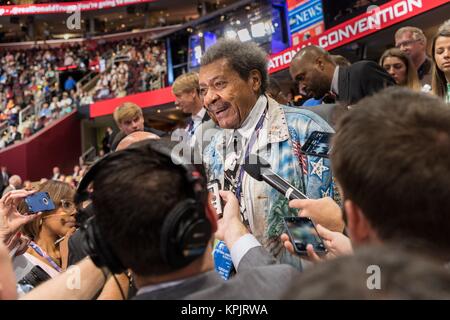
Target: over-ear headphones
<point>186,230</point>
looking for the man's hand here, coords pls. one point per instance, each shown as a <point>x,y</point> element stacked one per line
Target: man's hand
<point>322,211</point>
<point>10,219</point>
<point>336,243</point>
<point>230,228</point>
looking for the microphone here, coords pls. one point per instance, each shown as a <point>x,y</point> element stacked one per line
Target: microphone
<point>260,169</point>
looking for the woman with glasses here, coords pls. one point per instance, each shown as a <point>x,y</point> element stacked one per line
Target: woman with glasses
<point>401,68</point>
<point>43,255</point>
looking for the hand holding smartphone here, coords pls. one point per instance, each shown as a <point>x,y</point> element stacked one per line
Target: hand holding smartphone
<point>213,187</point>
<point>38,202</point>
<point>302,231</point>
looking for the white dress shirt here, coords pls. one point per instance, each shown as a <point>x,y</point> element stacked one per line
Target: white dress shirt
<point>335,82</point>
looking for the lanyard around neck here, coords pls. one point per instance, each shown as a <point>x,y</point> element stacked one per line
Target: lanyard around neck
<point>44,255</point>
<point>250,144</point>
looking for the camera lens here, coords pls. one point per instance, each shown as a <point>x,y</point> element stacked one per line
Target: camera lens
<point>36,276</point>
<point>45,201</point>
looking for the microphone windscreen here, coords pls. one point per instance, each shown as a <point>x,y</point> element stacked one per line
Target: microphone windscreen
<point>255,165</point>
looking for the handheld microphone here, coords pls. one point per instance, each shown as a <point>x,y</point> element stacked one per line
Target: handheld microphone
<point>260,169</point>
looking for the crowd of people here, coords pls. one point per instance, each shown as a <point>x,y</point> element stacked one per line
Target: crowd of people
<point>139,65</point>
<point>143,222</point>
<point>29,79</point>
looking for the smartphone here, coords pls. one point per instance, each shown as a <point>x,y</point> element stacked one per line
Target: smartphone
<point>216,201</point>
<point>301,231</point>
<point>318,144</point>
<point>39,201</point>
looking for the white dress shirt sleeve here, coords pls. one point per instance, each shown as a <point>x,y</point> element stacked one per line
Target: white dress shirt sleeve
<point>241,247</point>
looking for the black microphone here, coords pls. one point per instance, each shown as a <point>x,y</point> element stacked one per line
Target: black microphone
<point>260,169</point>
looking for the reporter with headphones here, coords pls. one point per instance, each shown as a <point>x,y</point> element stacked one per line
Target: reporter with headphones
<point>152,217</point>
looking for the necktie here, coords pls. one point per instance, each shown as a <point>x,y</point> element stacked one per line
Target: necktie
<point>232,161</point>
<point>190,127</point>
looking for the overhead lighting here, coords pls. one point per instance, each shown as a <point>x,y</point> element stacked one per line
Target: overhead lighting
<point>200,34</point>
<point>244,35</point>
<point>198,53</point>
<point>66,36</point>
<point>230,34</point>
<point>269,27</point>
<point>258,30</point>
<point>238,22</point>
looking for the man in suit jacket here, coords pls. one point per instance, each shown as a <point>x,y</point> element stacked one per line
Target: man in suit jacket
<point>318,75</point>
<point>15,183</point>
<point>4,179</point>
<point>166,200</point>
<point>14,135</point>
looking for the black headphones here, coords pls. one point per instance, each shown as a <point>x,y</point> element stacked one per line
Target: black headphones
<point>186,230</point>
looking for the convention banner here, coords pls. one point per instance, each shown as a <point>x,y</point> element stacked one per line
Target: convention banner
<point>65,7</point>
<point>376,19</point>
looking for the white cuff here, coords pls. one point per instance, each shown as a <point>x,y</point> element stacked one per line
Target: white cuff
<point>241,247</point>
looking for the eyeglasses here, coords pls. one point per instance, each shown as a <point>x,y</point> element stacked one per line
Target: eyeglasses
<point>406,43</point>
<point>67,205</point>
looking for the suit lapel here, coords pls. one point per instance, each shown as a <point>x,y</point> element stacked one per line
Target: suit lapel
<point>344,84</point>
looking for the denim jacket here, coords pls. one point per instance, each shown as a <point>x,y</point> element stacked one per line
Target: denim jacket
<point>285,131</point>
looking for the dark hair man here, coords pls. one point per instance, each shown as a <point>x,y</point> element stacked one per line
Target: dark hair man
<point>374,272</point>
<point>318,75</point>
<point>155,187</point>
<point>391,160</point>
<point>233,81</point>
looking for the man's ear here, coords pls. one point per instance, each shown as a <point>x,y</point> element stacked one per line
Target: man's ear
<point>255,80</point>
<point>320,64</point>
<point>423,44</point>
<point>211,213</point>
<point>359,228</point>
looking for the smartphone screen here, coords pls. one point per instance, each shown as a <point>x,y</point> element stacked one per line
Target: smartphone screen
<point>303,232</point>
<point>39,201</point>
<point>213,187</point>
<point>318,144</point>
